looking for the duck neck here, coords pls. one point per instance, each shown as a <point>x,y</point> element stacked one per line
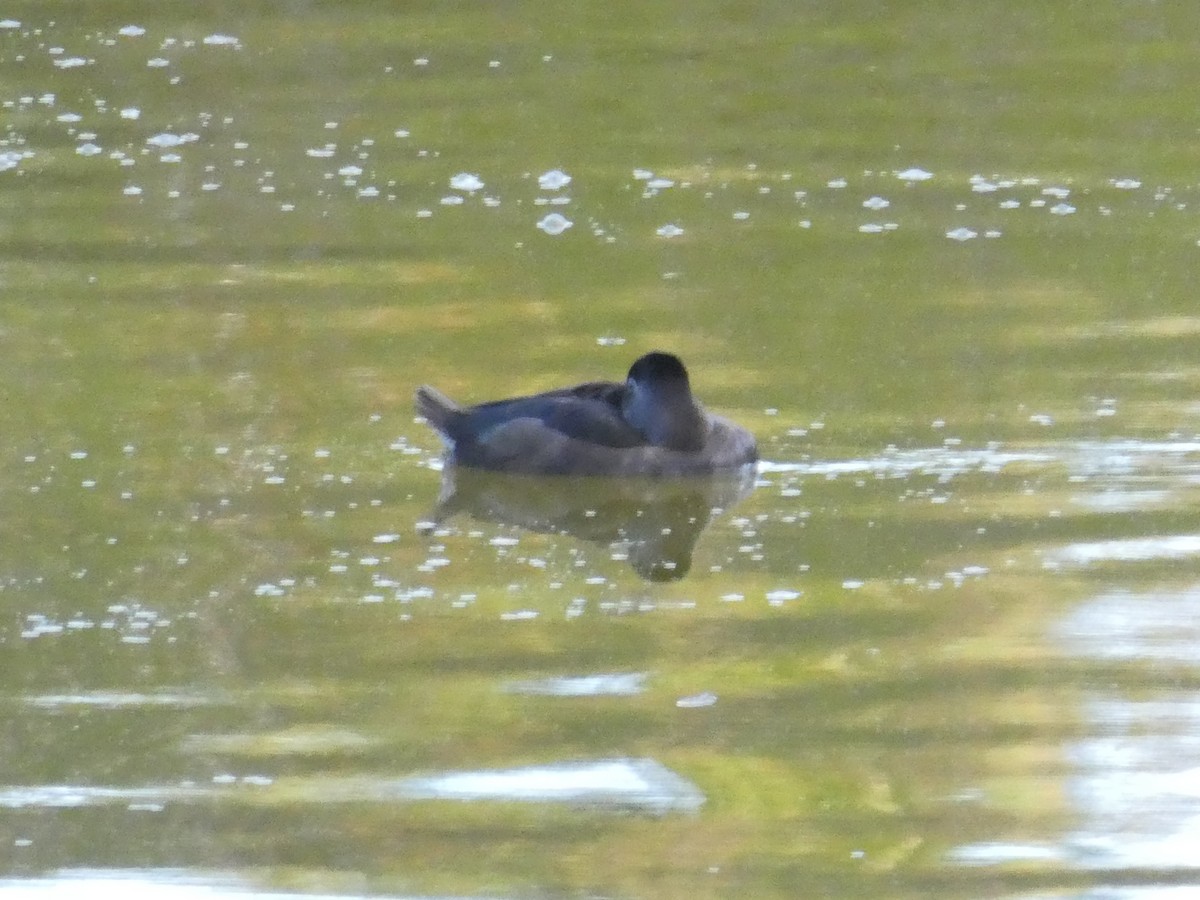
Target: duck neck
<point>667,418</point>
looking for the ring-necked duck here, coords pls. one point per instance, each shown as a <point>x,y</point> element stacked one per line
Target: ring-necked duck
<point>649,424</point>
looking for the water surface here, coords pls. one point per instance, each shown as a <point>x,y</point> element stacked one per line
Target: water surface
<point>940,642</point>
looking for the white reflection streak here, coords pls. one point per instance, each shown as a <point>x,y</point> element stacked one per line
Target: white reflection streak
<point>1136,785</point>
<point>1158,626</point>
<point>1138,781</point>
<point>149,884</point>
<point>638,783</point>
<point>905,462</point>
<point>619,684</point>
<point>1174,546</point>
<point>642,784</point>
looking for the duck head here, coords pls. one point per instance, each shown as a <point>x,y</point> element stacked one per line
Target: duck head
<point>659,403</point>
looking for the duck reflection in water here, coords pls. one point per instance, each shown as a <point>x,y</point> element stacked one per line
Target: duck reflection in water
<point>669,463</point>
<point>655,522</point>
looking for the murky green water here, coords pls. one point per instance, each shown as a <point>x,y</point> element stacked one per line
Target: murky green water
<point>940,259</point>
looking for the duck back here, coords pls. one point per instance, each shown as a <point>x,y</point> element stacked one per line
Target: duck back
<point>588,412</point>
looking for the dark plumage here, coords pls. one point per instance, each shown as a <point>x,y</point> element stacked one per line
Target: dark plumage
<point>649,424</point>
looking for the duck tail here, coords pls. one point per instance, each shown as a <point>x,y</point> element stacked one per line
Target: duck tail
<point>438,409</point>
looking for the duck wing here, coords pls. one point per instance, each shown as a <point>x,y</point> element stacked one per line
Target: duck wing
<point>589,412</point>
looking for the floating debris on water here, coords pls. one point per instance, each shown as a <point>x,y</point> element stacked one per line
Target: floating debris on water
<point>466,181</point>
<point>755,196</point>
<point>961,234</point>
<point>554,224</point>
<point>554,180</point>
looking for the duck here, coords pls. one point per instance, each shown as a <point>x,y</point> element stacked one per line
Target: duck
<point>649,425</point>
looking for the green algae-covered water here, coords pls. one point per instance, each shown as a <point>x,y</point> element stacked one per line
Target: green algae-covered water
<point>257,639</point>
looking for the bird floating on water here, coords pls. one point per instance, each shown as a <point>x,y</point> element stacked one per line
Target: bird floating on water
<point>647,425</point>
